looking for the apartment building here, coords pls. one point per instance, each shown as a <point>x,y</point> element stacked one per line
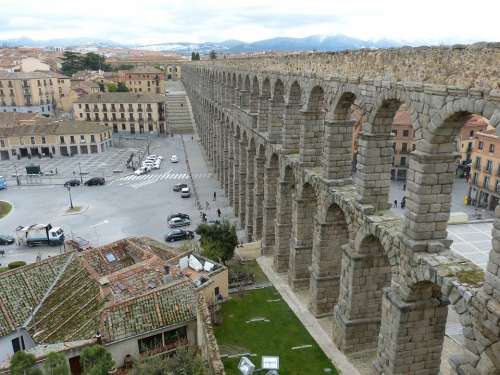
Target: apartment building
<point>124,111</point>
<point>484,183</point>
<point>47,137</point>
<point>37,91</point>
<point>143,79</point>
<point>467,135</point>
<point>404,143</point>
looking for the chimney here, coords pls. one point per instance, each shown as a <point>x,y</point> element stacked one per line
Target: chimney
<point>98,338</point>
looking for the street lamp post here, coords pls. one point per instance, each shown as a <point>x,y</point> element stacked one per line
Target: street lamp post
<point>17,176</point>
<point>70,199</point>
<point>80,169</point>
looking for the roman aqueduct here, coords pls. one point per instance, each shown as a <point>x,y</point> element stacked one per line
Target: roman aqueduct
<point>277,131</point>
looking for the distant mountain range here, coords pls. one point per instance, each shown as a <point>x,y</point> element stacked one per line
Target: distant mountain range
<point>310,43</point>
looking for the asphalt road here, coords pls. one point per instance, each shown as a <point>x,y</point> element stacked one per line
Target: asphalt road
<point>126,206</point>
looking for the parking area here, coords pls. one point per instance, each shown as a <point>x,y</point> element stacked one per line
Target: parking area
<point>127,205</point>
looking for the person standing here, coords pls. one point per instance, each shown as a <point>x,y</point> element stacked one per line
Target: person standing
<point>207,205</point>
<point>395,203</point>
<point>215,196</point>
<point>219,212</point>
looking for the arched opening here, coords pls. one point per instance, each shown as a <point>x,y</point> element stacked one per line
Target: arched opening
<point>254,96</point>
<point>236,171</point>
<point>292,120</point>
<point>259,193</point>
<point>250,193</point>
<point>276,115</point>
<point>304,208</point>
<point>330,235</point>
<point>234,90</point>
<point>230,169</point>
<point>339,147</point>
<point>245,95</point>
<point>366,271</point>
<point>312,129</point>
<point>283,228</point>
<point>243,178</point>
<point>271,179</point>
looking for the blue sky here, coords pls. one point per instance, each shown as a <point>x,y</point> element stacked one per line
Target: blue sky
<point>154,21</point>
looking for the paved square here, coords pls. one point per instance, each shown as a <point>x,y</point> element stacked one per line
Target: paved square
<point>472,241</point>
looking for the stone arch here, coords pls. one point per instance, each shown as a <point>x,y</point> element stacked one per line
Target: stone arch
<point>250,192</point>
<point>276,112</point>
<point>283,228</point>
<point>254,95</point>
<point>312,128</point>
<point>258,210</point>
<point>292,119</point>
<point>366,271</point>
<point>304,211</point>
<point>330,235</point>
<point>243,176</point>
<point>263,110</point>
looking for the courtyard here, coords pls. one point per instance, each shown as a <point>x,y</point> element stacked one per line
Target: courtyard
<point>261,323</point>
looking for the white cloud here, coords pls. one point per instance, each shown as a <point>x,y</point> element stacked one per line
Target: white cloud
<point>150,21</point>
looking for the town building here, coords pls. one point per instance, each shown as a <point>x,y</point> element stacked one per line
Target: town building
<point>468,132</point>
<point>46,137</point>
<point>124,111</point>
<point>143,79</point>
<point>135,296</point>
<point>38,91</point>
<point>170,64</point>
<point>484,183</point>
<point>403,144</point>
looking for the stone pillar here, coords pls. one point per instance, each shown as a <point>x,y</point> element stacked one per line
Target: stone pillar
<point>271,176</point>
<point>275,121</point>
<point>254,103</point>
<point>293,121</point>
<point>250,179</point>
<point>263,113</point>
<point>226,160</point>
<point>283,228</point>
<point>336,160</point>
<point>357,314</point>
<point>428,197</point>
<point>411,335</point>
<point>373,175</point>
<point>329,237</point>
<point>236,176</point>
<point>311,138</point>
<point>301,244</point>
<point>242,182</point>
<point>259,198</point>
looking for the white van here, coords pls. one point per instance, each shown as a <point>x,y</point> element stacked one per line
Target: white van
<point>185,192</point>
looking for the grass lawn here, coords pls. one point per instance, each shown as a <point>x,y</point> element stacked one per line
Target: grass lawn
<point>5,208</point>
<point>277,336</point>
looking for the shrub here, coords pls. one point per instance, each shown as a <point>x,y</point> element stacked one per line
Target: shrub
<point>16,264</point>
<point>96,360</point>
<point>23,364</point>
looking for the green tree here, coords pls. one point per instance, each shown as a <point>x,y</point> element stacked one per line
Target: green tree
<point>23,364</point>
<point>197,56</point>
<point>122,87</point>
<point>55,364</point>
<point>185,361</point>
<point>71,63</point>
<point>96,360</point>
<point>218,241</point>
<point>111,87</point>
<point>94,61</point>
<point>213,55</point>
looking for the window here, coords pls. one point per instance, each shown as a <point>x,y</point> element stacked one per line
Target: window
<point>489,166</point>
<point>413,147</point>
<point>72,139</point>
<point>2,143</point>
<point>404,148</point>
<point>130,108</point>
<point>82,138</point>
<point>88,117</point>
<point>406,133</point>
<point>92,138</point>
<point>491,148</point>
<point>486,181</point>
<point>80,106</point>
<point>123,127</point>
<point>474,179</point>
<point>18,344</point>
<point>402,161</point>
<point>478,162</point>
<point>81,115</point>
<point>480,145</point>
<point>32,140</point>
<point>43,140</point>
<point>471,133</point>
<point>61,139</point>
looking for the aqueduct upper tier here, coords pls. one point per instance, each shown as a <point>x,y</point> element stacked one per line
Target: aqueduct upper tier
<point>278,132</point>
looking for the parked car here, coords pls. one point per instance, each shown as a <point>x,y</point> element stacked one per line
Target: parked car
<point>185,192</point>
<point>73,182</point>
<point>95,181</point>
<point>157,164</point>
<point>174,159</point>
<point>178,222</point>
<point>6,239</point>
<point>148,163</point>
<point>179,187</point>
<point>179,234</point>
<point>141,170</point>
<point>179,214</point>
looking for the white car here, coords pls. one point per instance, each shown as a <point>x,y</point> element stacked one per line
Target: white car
<point>148,163</point>
<point>141,170</point>
<point>157,164</point>
<point>185,192</point>
<point>174,159</point>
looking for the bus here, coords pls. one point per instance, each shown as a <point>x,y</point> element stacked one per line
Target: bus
<point>3,183</point>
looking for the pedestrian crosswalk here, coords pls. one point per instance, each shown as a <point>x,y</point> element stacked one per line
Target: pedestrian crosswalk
<point>151,178</point>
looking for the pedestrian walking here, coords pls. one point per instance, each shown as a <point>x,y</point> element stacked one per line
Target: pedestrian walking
<point>215,196</point>
<point>403,202</point>
<point>204,217</point>
<point>207,205</point>
<point>404,186</point>
<point>395,203</point>
<point>219,212</point>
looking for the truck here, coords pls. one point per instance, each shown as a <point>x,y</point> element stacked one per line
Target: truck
<point>39,234</point>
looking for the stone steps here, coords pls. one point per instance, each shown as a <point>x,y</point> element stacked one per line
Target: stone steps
<point>179,117</point>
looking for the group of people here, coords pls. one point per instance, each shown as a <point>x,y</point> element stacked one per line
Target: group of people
<point>402,203</point>
<point>207,207</point>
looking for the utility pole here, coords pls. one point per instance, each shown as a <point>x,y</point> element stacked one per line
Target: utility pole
<point>70,200</point>
<point>80,169</point>
<point>17,175</point>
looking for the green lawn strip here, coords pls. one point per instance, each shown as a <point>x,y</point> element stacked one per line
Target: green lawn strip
<point>276,337</point>
<point>5,208</point>
<point>253,267</point>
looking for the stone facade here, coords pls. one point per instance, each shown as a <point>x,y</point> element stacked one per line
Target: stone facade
<point>385,281</point>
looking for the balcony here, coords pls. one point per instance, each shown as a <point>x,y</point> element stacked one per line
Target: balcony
<point>487,170</point>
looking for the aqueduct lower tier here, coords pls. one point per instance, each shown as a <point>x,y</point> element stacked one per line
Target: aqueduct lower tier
<point>278,131</point>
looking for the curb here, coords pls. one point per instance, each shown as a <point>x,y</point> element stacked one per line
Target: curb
<point>84,208</point>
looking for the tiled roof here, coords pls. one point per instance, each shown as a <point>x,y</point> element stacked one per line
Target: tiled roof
<point>22,289</point>
<point>71,310</point>
<point>170,305</point>
<point>121,97</point>
<point>145,70</point>
<point>42,126</point>
<point>30,75</point>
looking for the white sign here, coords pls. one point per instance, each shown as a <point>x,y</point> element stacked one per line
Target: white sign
<point>270,363</point>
